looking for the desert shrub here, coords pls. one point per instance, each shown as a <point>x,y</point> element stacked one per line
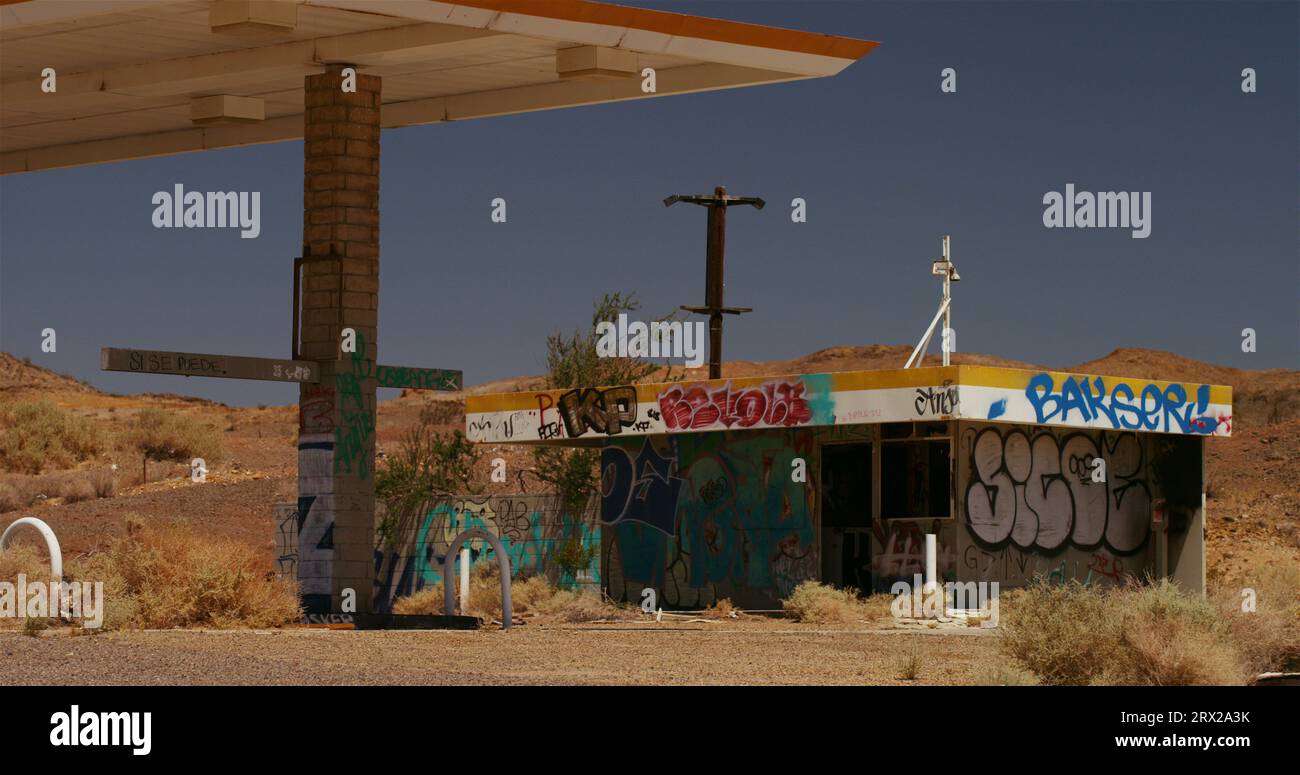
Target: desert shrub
<point>34,564</point>
<point>78,490</point>
<point>1170,638</point>
<point>572,557</point>
<point>156,434</point>
<point>909,665</point>
<point>103,482</point>
<point>530,596</point>
<point>484,594</point>
<point>427,465</point>
<point>11,498</point>
<point>1150,634</point>
<point>1268,636</point>
<point>180,577</point>
<point>1063,633</point>
<point>574,362</point>
<point>820,603</point>
<point>38,434</point>
<point>1003,674</point>
<point>722,609</point>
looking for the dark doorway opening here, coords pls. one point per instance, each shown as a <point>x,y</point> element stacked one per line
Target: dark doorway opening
<point>846,515</point>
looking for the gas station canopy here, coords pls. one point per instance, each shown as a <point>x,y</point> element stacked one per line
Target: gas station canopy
<point>139,78</point>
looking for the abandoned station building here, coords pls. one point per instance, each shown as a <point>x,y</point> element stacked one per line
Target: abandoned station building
<point>742,488</point>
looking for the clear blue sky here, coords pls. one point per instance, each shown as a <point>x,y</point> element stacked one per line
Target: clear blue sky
<point>1109,96</point>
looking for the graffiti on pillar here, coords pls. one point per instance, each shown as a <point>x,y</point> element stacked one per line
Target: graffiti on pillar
<point>707,516</point>
<point>286,540</point>
<point>313,540</point>
<point>316,409</point>
<point>353,438</point>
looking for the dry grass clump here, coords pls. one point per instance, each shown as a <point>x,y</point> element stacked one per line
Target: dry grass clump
<point>1151,634</point>
<point>721,609</point>
<point>156,434</point>
<point>22,491</point>
<point>11,498</point>
<point>909,665</point>
<point>819,603</point>
<point>35,435</point>
<point>529,596</point>
<point>28,561</point>
<point>1269,635</point>
<point>171,577</point>
<point>178,577</point>
<point>1003,674</point>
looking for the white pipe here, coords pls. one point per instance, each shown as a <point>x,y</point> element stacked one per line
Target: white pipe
<point>464,578</point>
<point>931,563</point>
<point>51,543</point>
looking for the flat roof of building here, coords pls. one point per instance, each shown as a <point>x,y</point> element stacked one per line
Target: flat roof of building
<point>127,72</point>
<point>1045,398</point>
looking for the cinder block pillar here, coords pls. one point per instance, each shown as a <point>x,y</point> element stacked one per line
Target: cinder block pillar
<point>340,289</point>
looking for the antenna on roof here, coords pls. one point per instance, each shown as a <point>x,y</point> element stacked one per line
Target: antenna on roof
<point>943,268</point>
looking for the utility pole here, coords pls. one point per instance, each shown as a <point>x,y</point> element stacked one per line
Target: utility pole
<point>713,270</point>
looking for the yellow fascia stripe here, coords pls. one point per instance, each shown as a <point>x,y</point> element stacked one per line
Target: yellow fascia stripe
<point>840,381</point>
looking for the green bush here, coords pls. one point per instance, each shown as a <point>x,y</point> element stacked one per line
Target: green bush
<point>426,465</point>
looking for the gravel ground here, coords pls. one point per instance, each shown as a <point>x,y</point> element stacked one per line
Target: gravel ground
<point>723,653</point>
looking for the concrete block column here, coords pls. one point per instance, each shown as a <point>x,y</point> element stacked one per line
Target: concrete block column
<point>340,289</point>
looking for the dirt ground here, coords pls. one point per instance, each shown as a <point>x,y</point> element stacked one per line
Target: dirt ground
<point>720,653</point>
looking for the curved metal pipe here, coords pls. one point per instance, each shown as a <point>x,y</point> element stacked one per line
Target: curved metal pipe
<point>51,542</point>
<point>449,602</point>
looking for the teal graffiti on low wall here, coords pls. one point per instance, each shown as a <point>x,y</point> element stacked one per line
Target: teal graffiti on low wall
<point>533,528</point>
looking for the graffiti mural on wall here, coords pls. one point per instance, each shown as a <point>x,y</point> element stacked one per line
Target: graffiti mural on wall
<point>1167,409</point>
<point>643,488</point>
<point>1036,491</point>
<point>707,516</point>
<point>531,528</point>
<point>1012,565</point>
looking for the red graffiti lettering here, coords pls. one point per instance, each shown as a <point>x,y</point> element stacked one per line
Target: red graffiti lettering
<point>773,404</point>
